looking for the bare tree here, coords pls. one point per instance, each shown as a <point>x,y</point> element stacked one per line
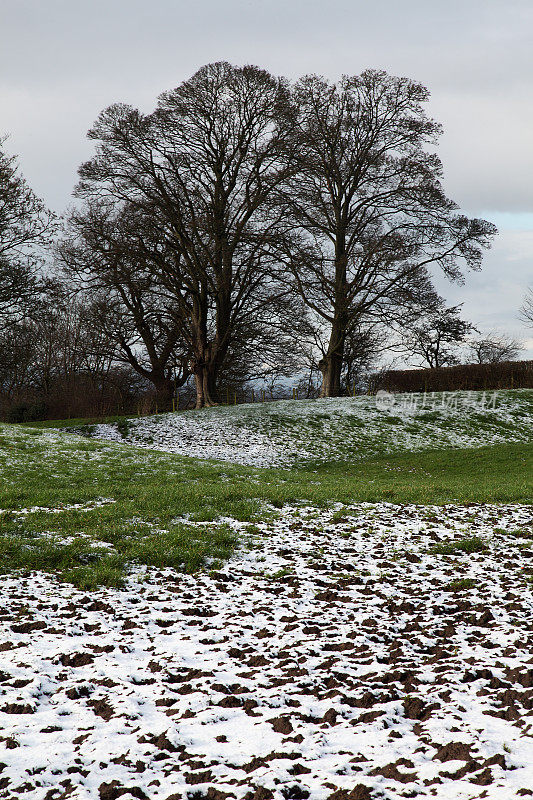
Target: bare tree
<point>110,256</point>
<point>526,312</point>
<point>436,337</point>
<point>208,161</point>
<point>25,227</point>
<point>368,204</point>
<point>495,348</point>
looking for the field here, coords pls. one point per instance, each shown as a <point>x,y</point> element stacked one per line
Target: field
<point>310,599</point>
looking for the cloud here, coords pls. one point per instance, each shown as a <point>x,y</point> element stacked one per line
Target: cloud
<point>492,297</point>
<point>61,62</point>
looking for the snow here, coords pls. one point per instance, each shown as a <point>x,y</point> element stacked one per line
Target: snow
<point>333,656</point>
<point>330,652</point>
<point>287,432</point>
<point>82,507</point>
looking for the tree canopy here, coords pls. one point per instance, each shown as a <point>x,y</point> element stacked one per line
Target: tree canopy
<point>249,226</point>
<point>26,227</point>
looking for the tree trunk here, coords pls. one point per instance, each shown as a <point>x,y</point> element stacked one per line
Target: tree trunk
<point>203,380</point>
<point>208,360</point>
<point>164,387</point>
<point>204,376</point>
<point>331,365</point>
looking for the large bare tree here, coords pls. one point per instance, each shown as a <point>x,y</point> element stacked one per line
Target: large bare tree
<point>207,162</point>
<point>368,205</point>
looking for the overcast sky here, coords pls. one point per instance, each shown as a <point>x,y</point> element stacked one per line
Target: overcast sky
<point>62,61</point>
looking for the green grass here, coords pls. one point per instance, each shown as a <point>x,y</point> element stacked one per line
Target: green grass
<point>156,496</point>
<point>461,584</point>
<point>455,547</point>
<point>496,474</point>
<point>522,533</point>
<point>87,565</point>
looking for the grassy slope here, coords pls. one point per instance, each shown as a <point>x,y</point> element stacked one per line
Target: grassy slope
<point>351,427</point>
<point>303,433</point>
<point>156,497</point>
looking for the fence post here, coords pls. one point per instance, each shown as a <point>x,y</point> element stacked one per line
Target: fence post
<point>252,395</point>
<point>235,399</point>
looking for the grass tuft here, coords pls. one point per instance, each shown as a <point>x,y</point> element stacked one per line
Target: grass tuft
<point>454,547</point>
<point>461,584</point>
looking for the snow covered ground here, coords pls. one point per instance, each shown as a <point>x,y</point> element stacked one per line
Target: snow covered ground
<point>290,432</point>
<point>334,656</point>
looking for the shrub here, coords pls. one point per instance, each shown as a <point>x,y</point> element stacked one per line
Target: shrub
<point>505,375</point>
<point>27,412</point>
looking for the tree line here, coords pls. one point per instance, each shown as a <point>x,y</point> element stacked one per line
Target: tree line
<point>247,229</point>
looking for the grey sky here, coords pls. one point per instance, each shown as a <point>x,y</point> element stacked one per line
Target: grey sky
<point>62,61</point>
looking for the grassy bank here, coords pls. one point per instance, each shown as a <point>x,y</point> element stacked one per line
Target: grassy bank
<point>301,433</point>
<point>88,510</point>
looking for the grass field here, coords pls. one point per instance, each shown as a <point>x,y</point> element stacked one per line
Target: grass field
<point>88,510</point>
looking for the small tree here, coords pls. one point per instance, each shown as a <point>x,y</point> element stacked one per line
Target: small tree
<point>495,348</point>
<point>436,337</point>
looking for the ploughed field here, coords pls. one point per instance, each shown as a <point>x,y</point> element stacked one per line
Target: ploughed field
<point>178,628</point>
